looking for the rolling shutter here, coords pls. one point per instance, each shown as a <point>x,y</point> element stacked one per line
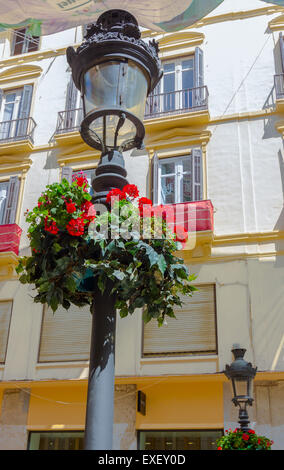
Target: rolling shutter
<point>5,317</point>
<point>11,200</point>
<point>65,334</point>
<point>192,332</point>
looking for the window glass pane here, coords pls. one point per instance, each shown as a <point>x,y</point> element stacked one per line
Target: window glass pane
<point>179,440</point>
<point>186,165</point>
<point>169,68</point>
<point>168,168</point>
<point>73,440</point>
<point>187,64</point>
<point>168,189</point>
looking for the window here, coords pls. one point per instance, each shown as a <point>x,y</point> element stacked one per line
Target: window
<point>181,87</point>
<point>24,42</point>
<point>67,440</point>
<point>71,118</point>
<point>15,107</point>
<point>179,440</point>
<point>177,179</point>
<point>9,191</point>
<point>65,335</point>
<point>194,330</point>
<point>5,317</point>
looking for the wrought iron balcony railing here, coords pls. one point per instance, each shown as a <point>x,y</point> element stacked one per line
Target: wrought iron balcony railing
<point>69,120</point>
<point>17,129</point>
<point>175,102</point>
<point>279,86</point>
<point>180,101</point>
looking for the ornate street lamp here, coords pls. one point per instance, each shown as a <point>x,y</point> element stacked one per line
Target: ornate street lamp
<point>241,373</point>
<point>115,71</point>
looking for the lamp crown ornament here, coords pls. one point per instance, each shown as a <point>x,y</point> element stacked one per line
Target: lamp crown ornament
<point>239,368</point>
<point>116,31</point>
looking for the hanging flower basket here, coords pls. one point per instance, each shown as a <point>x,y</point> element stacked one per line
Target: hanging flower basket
<point>240,440</point>
<point>73,247</point>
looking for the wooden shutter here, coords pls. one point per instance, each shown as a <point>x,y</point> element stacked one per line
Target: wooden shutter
<point>5,317</point>
<point>281,43</point>
<point>67,173</point>
<point>198,94</point>
<point>155,179</point>
<point>192,332</point>
<point>197,174</point>
<point>12,200</point>
<point>65,334</point>
<point>1,98</point>
<point>24,110</point>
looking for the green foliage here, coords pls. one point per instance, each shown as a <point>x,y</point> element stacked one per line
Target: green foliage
<point>240,440</point>
<point>146,273</point>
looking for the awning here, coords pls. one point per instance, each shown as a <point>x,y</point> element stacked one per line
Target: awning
<point>51,16</point>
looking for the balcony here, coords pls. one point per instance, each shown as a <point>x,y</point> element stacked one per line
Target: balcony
<point>176,102</point>
<point>17,135</point>
<point>10,235</point>
<point>279,91</point>
<point>196,218</point>
<point>181,102</point>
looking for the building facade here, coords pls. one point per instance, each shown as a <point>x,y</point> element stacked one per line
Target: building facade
<point>213,150</point>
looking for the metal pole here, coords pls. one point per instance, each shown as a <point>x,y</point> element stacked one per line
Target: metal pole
<point>100,400</point>
<point>244,419</point>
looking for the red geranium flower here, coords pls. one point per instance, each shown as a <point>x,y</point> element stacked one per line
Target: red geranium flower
<point>70,207</point>
<point>251,431</point>
<point>131,190</point>
<point>181,233</point>
<point>115,193</point>
<point>145,207</point>
<point>219,448</point>
<point>76,227</point>
<point>89,211</point>
<point>50,226</point>
<point>245,437</point>
<point>81,180</point>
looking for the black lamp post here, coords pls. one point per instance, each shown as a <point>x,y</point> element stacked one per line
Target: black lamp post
<point>115,70</point>
<point>241,373</point>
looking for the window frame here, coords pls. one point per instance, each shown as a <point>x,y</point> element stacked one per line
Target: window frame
<point>26,40</point>
<point>8,331</point>
<point>179,178</point>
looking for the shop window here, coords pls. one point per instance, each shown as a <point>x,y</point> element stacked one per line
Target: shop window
<point>193,331</point>
<point>24,42</point>
<point>179,440</point>
<point>69,440</point>
<point>5,318</point>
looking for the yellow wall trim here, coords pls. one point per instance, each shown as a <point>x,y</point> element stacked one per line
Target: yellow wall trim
<point>277,24</point>
<point>20,72</point>
<point>33,56</point>
<point>8,263</point>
